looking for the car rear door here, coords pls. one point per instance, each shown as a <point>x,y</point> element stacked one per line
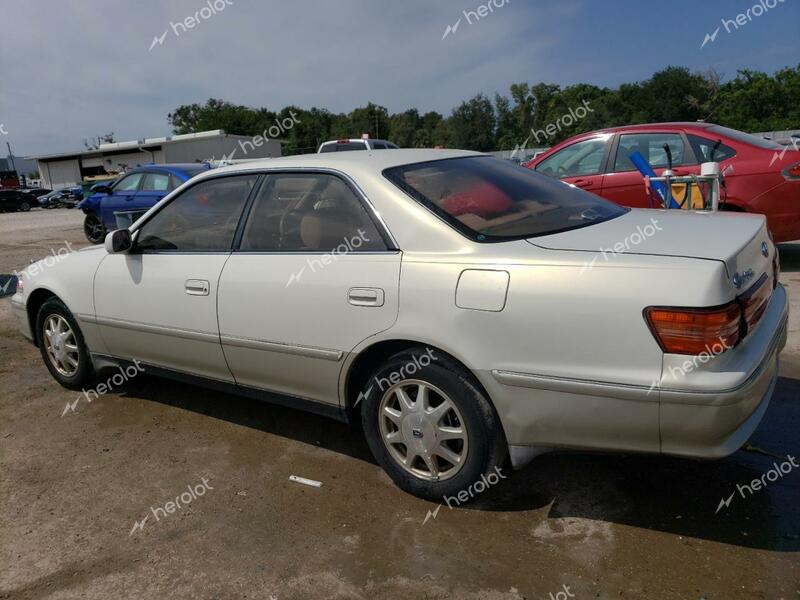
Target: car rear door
<point>155,185</point>
<point>581,163</point>
<point>624,184</point>
<point>158,303</point>
<point>314,275</point>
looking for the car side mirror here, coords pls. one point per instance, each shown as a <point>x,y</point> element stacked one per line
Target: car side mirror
<point>119,241</point>
<point>101,188</point>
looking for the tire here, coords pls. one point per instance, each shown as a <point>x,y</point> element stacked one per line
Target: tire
<point>462,407</point>
<point>71,368</point>
<point>93,229</point>
<point>24,207</point>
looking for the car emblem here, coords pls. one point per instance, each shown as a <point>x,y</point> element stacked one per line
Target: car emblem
<point>739,279</point>
<point>764,249</point>
<point>417,433</point>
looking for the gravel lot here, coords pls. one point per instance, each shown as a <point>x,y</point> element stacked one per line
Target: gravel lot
<point>72,488</point>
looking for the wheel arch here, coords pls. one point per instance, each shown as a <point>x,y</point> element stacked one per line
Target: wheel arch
<point>368,359</point>
<point>35,301</point>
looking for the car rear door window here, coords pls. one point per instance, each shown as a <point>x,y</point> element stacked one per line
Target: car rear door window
<point>296,212</point>
<point>156,182</point>
<point>201,219</point>
<point>705,150</point>
<point>651,146</point>
<point>129,183</point>
<point>581,158</point>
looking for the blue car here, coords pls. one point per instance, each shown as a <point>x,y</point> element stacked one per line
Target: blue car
<point>118,205</point>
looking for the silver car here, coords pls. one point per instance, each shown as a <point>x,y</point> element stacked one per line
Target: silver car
<point>465,309</point>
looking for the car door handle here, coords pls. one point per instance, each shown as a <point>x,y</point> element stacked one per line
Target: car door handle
<point>365,296</point>
<point>197,287</point>
<point>583,182</point>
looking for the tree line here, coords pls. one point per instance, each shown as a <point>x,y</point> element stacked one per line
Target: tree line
<point>535,115</point>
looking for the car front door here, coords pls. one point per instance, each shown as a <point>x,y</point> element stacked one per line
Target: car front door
<point>120,201</point>
<point>580,164</point>
<point>314,275</point>
<point>154,187</point>
<point>624,184</point>
<point>158,303</point>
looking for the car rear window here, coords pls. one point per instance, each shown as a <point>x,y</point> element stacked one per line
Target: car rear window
<point>747,138</point>
<point>491,200</point>
<point>343,146</point>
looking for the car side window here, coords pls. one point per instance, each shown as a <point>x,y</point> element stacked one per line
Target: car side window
<point>704,148</point>
<point>129,183</point>
<point>581,158</point>
<point>155,182</point>
<point>651,146</point>
<point>296,212</point>
<point>201,219</point>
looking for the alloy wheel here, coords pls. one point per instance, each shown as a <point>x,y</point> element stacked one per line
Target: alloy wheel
<point>61,345</point>
<point>423,430</point>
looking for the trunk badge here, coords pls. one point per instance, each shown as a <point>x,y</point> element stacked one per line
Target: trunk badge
<point>765,249</point>
<point>739,279</point>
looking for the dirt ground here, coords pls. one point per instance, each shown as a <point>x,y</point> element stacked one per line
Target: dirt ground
<point>74,485</point>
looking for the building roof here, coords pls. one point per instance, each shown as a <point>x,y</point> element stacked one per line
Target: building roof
<point>143,144</point>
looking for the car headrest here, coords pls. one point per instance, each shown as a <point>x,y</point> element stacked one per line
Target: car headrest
<point>326,228</point>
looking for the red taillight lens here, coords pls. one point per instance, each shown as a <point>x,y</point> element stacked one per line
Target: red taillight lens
<point>695,330</point>
<point>792,171</point>
<point>755,300</point>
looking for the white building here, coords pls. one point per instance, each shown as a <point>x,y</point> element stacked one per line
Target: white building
<point>72,168</point>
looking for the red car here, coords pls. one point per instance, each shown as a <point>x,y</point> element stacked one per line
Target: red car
<point>762,176</point>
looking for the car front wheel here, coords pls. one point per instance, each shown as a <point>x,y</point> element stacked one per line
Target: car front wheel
<point>24,207</point>
<point>62,345</point>
<point>93,228</point>
<point>430,426</point>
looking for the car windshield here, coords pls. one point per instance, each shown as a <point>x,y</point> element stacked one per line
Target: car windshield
<point>492,200</point>
<point>747,138</point>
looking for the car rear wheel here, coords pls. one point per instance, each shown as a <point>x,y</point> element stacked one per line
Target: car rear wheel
<point>93,229</point>
<point>62,346</point>
<point>430,426</point>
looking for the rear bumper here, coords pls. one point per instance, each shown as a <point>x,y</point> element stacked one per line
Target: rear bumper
<point>711,421</point>
<point>708,411</point>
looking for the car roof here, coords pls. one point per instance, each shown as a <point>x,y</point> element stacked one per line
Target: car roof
<point>369,160</point>
<point>669,125</point>
<point>354,140</point>
<point>174,168</point>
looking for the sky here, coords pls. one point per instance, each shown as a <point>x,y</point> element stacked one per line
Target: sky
<point>75,69</point>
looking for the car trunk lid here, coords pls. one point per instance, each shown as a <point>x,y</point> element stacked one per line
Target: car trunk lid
<point>740,241</point>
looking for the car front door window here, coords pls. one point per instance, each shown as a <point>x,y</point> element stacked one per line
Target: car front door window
<point>201,219</point>
<point>578,159</point>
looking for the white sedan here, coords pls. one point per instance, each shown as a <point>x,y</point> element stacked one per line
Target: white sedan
<point>464,308</point>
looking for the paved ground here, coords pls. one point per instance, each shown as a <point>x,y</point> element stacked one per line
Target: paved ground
<point>73,487</point>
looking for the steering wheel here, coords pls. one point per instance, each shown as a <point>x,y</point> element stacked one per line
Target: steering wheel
<point>561,171</point>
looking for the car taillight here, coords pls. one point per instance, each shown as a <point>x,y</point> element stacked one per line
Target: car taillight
<point>792,171</point>
<point>755,300</point>
<point>695,330</point>
<point>20,287</point>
